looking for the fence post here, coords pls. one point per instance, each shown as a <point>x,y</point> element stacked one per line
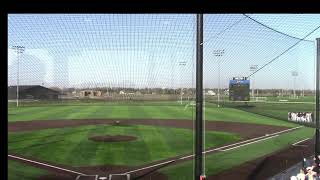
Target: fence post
<point>317,139</point>
<point>198,168</point>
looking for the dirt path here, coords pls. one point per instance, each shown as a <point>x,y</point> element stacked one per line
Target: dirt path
<point>249,133</point>
<point>245,130</point>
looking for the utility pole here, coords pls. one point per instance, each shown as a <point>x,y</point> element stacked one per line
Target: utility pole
<point>198,168</point>
<point>19,50</point>
<point>181,63</point>
<point>218,53</point>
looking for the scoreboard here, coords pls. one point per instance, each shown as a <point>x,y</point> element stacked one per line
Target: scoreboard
<point>239,89</point>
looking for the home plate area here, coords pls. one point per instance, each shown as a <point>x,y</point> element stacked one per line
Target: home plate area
<point>110,177</point>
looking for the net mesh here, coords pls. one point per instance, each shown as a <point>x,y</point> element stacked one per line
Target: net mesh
<point>133,67</point>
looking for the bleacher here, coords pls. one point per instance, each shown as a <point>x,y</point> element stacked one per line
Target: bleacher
<point>294,170</point>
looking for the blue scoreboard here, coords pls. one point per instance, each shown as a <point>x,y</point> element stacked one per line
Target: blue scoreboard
<point>239,89</point>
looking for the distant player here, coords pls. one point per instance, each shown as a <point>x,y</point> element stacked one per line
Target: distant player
<point>294,116</point>
<point>289,116</point>
<point>309,118</point>
<point>303,118</point>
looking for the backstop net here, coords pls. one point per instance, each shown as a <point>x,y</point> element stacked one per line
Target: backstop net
<point>111,95</point>
<point>259,75</point>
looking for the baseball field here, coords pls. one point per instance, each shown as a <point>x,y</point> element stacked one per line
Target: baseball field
<point>148,140</point>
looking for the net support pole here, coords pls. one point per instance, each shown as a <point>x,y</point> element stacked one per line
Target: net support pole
<point>317,118</point>
<point>198,168</point>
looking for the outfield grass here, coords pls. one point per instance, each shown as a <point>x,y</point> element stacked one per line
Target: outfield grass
<point>218,162</point>
<point>290,99</point>
<point>133,111</point>
<point>71,146</point>
<point>88,102</point>
<point>307,99</point>
<point>19,171</point>
<point>274,110</point>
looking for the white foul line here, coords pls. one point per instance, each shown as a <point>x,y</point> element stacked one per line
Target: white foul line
<point>43,164</point>
<point>261,138</point>
<point>285,130</point>
<point>241,142</point>
<point>295,144</point>
<point>149,167</point>
<point>249,143</point>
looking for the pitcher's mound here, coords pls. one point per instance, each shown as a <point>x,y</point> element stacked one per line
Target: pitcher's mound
<point>117,138</point>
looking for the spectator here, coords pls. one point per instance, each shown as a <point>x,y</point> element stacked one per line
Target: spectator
<point>301,175</point>
<point>294,178</point>
<point>311,175</point>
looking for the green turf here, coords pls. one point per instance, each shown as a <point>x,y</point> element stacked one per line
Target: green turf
<point>274,110</point>
<point>154,143</point>
<point>290,99</point>
<point>218,162</point>
<point>89,102</point>
<point>306,99</point>
<point>19,171</point>
<point>71,146</point>
<point>139,111</point>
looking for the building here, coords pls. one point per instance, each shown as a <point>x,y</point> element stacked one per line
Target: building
<point>211,93</point>
<point>32,92</point>
<point>90,93</point>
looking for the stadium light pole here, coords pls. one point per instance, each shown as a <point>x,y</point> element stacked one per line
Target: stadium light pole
<point>253,68</point>
<point>317,119</point>
<point>181,63</point>
<point>19,50</point>
<point>294,74</point>
<point>218,53</point>
<point>303,83</point>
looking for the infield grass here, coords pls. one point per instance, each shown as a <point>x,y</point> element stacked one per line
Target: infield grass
<point>220,161</point>
<point>71,146</point>
<point>19,171</point>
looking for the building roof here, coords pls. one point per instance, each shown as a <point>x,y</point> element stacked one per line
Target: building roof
<point>25,87</point>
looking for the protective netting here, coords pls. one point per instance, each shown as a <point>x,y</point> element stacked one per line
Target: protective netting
<point>138,71</point>
<point>278,65</point>
<point>112,53</point>
<point>145,54</point>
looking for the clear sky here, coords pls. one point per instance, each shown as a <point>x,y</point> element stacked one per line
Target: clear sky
<point>144,50</point>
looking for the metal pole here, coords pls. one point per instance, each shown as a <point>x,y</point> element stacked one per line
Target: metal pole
<point>180,83</point>
<point>181,96</point>
<point>182,63</point>
<point>253,68</point>
<point>219,53</point>
<point>198,168</point>
<point>252,87</point>
<point>18,58</point>
<point>219,83</point>
<point>317,139</point>
<point>19,50</point>
<point>294,87</point>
